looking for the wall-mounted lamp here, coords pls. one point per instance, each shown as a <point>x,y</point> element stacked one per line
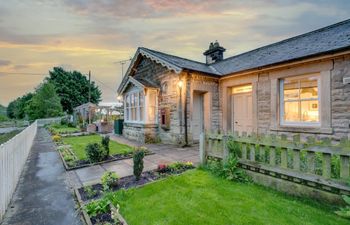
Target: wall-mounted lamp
<point>180,84</point>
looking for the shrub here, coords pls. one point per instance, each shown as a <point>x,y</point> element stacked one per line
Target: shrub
<point>345,212</point>
<point>56,138</point>
<point>138,162</point>
<point>109,180</point>
<point>94,152</point>
<point>90,191</point>
<point>64,121</point>
<point>228,170</point>
<point>105,144</point>
<point>97,207</point>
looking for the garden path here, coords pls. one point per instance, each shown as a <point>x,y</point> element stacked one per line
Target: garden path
<point>42,195</point>
<point>164,153</point>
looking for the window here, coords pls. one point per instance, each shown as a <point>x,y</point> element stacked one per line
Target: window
<point>300,100</point>
<point>152,106</point>
<point>242,89</point>
<point>135,106</point>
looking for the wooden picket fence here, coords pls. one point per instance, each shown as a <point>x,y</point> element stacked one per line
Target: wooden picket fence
<point>315,164</point>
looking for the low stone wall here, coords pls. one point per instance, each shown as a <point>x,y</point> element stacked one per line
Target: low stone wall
<point>293,188</point>
<point>143,133</point>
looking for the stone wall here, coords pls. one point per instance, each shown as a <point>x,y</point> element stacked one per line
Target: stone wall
<point>340,98</point>
<point>210,85</point>
<point>140,132</point>
<point>266,89</point>
<point>264,103</point>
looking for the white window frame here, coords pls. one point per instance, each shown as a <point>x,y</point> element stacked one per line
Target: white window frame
<point>145,105</point>
<point>281,95</point>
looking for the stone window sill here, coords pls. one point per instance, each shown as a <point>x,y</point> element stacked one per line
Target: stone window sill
<point>301,129</point>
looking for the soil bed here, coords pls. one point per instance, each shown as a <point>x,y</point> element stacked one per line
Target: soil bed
<point>126,183</point>
<point>77,164</point>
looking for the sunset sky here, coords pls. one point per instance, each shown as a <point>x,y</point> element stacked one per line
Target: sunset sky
<point>36,35</point>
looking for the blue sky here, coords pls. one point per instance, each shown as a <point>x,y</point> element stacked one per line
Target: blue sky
<point>36,35</point>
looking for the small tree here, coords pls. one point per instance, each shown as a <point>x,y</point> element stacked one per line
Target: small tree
<point>94,152</point>
<point>105,144</point>
<point>139,154</point>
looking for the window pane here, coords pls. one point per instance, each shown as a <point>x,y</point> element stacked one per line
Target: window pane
<point>242,89</point>
<point>308,88</point>
<point>291,89</point>
<point>309,111</point>
<point>141,113</point>
<point>291,111</point>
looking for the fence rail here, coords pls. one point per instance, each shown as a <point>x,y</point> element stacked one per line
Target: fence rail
<point>315,164</point>
<point>13,155</point>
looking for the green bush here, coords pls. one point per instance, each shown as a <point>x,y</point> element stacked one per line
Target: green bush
<point>228,170</point>
<point>94,152</point>
<point>345,212</point>
<point>138,162</point>
<point>105,144</point>
<point>97,207</point>
<point>109,180</point>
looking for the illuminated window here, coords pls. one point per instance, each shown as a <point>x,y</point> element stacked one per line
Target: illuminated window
<point>134,106</point>
<point>242,89</point>
<point>300,100</point>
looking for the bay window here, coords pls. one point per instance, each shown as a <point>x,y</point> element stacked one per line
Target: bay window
<point>135,104</point>
<point>300,101</point>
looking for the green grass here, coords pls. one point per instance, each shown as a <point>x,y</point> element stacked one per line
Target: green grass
<point>62,129</point>
<point>8,136</point>
<point>80,142</point>
<point>198,197</point>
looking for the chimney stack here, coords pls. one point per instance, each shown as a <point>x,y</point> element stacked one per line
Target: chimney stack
<point>215,53</point>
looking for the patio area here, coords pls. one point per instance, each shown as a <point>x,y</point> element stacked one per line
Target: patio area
<point>164,154</point>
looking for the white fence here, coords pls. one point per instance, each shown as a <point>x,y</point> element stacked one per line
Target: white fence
<point>13,155</point>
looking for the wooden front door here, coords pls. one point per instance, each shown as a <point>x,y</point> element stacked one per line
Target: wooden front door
<point>197,115</point>
<point>242,110</point>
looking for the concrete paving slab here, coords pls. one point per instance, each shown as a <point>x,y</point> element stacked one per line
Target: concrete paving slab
<point>90,173</point>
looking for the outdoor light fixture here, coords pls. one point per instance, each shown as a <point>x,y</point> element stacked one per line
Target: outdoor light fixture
<point>180,84</point>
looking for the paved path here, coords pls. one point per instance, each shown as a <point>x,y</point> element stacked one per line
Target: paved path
<point>164,154</point>
<point>42,196</point>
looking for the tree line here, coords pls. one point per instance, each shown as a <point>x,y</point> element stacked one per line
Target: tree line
<point>59,93</point>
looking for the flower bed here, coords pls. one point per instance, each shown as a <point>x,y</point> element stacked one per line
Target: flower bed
<point>100,205</point>
<point>96,191</point>
<point>71,161</point>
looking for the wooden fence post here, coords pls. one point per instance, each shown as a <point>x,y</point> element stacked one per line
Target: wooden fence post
<point>202,149</point>
<point>226,152</point>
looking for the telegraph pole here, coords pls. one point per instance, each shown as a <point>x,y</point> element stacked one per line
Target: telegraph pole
<point>89,96</point>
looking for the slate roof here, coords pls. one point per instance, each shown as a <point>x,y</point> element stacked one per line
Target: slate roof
<point>333,38</point>
<point>182,62</point>
<point>325,40</point>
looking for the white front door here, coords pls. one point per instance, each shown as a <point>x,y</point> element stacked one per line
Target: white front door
<point>242,112</point>
<point>197,115</point>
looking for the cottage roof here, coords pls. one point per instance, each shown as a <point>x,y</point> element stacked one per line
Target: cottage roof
<point>327,40</point>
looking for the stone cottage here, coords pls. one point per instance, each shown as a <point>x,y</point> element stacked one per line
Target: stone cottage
<point>298,85</point>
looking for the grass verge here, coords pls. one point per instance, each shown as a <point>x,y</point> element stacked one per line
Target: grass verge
<point>197,197</point>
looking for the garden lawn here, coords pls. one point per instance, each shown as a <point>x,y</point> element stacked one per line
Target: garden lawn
<point>79,143</point>
<point>198,198</point>
<point>63,129</point>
